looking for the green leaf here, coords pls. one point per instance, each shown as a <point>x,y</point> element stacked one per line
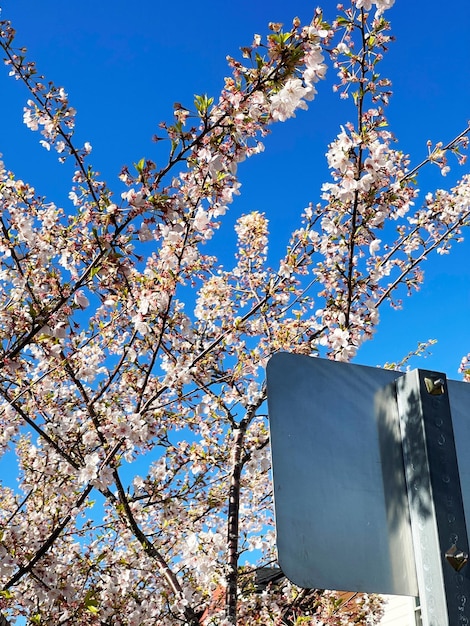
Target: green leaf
<point>90,602</point>
<point>140,165</point>
<point>280,38</point>
<point>202,103</point>
<point>259,60</point>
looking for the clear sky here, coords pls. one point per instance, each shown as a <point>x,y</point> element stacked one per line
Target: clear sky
<point>125,64</point>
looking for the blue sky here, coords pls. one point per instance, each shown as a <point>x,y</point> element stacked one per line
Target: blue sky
<point>125,64</point>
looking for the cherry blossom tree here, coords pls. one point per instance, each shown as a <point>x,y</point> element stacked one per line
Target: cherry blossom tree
<point>132,379</point>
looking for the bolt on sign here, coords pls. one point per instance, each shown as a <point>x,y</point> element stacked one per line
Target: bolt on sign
<point>371,472</point>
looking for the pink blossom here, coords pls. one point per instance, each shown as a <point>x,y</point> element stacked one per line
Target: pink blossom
<point>374,246</point>
<point>81,300</point>
<point>288,99</point>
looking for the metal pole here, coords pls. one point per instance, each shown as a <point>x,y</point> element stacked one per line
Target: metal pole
<point>440,542</point>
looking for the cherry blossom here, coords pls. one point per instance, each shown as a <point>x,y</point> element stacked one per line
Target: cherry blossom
<point>133,395</point>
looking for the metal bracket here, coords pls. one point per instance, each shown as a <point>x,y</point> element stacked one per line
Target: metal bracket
<point>435,498</point>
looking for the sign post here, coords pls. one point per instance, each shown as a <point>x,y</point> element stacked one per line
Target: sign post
<point>434,496</point>
<point>369,468</point>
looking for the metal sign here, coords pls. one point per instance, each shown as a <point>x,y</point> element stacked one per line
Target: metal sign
<point>366,482</point>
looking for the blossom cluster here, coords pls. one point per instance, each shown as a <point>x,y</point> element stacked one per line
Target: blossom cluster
<point>382,5</point>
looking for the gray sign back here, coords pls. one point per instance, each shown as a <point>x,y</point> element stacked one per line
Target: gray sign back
<point>342,517</point>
